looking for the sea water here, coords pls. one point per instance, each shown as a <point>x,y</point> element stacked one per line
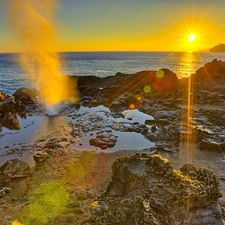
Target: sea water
<point>104,64</point>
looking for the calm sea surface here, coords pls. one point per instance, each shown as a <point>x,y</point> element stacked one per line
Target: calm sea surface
<point>104,64</point>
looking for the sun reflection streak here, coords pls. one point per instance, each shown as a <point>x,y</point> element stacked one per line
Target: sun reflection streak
<point>189,112</point>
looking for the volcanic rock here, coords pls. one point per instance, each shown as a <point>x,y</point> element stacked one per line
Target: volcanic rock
<point>26,95</point>
<point>14,168</point>
<point>104,140</point>
<point>10,121</point>
<point>118,92</point>
<point>147,190</point>
<point>7,104</point>
<point>3,96</point>
<point>211,144</point>
<point>210,71</point>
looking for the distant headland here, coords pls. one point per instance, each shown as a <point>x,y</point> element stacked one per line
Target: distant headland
<point>218,48</point>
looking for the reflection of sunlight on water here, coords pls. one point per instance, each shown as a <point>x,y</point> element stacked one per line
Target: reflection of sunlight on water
<point>188,59</point>
<point>188,64</point>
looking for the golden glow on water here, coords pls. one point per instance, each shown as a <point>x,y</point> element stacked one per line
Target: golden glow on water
<point>188,61</point>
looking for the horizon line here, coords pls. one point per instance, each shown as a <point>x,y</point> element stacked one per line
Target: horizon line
<point>101,51</point>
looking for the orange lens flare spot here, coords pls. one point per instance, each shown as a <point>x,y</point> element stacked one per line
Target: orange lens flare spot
<point>132,106</point>
<point>140,97</point>
<point>160,73</point>
<point>147,89</point>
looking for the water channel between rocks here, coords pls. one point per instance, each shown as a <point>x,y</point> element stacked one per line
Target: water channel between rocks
<point>89,121</point>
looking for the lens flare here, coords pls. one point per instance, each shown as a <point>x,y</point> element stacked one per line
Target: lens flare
<point>15,222</point>
<point>47,202</point>
<point>160,73</point>
<point>147,89</point>
<point>132,106</point>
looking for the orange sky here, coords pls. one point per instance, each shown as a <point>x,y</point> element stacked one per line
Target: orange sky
<point>129,25</point>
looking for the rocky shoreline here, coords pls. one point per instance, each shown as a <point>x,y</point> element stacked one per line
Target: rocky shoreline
<point>183,121</point>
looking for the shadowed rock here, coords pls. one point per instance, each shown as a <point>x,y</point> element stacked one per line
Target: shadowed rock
<point>10,121</point>
<point>147,190</point>
<point>26,95</point>
<point>211,70</point>
<point>121,90</point>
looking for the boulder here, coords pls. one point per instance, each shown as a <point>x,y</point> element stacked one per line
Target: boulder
<point>147,190</point>
<point>10,121</point>
<point>40,157</point>
<point>26,95</point>
<point>15,168</point>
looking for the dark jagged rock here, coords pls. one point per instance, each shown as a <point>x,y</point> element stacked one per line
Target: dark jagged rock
<point>10,121</point>
<point>147,190</point>
<point>26,95</point>
<point>7,104</point>
<point>210,71</point>
<point>9,109</point>
<point>124,89</point>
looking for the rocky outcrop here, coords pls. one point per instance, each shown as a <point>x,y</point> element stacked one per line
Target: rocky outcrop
<point>121,90</point>
<point>211,71</point>
<point>11,106</point>
<point>147,190</point>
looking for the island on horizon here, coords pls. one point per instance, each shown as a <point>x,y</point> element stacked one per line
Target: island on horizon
<point>218,48</point>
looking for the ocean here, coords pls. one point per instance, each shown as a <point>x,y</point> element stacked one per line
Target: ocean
<point>104,64</point>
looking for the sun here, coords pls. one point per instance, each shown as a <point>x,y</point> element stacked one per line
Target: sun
<point>191,37</point>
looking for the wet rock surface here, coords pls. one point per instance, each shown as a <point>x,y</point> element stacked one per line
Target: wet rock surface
<point>156,93</point>
<point>147,190</point>
<point>184,119</point>
<point>104,139</point>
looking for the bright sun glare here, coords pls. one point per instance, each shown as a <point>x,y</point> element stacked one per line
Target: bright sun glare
<point>191,37</point>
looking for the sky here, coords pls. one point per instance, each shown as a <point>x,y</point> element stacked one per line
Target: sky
<point>130,25</point>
